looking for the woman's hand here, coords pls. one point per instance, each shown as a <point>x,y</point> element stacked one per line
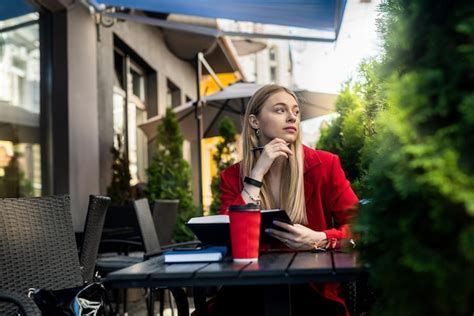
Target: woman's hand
<point>273,150</point>
<point>296,236</point>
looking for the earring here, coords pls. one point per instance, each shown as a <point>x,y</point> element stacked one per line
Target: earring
<point>257,132</point>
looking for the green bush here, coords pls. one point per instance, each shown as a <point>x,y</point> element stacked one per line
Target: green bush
<point>119,189</point>
<point>224,157</point>
<point>169,175</point>
<point>418,230</point>
<point>358,103</point>
<point>14,183</point>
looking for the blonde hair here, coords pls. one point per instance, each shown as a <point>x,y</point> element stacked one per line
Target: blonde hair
<point>292,184</point>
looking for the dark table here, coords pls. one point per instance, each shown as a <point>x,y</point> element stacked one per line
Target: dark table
<point>276,269</point>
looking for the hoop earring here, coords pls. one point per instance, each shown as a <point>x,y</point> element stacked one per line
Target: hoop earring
<point>257,132</point>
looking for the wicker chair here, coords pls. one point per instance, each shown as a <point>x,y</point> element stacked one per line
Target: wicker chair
<point>96,212</point>
<point>152,247</point>
<point>37,247</point>
<point>22,305</point>
<point>165,213</point>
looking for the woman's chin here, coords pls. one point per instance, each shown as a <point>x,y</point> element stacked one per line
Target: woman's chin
<point>289,139</point>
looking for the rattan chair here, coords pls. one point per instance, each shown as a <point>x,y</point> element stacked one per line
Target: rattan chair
<point>165,213</point>
<point>37,247</point>
<point>19,303</point>
<point>96,212</point>
<point>152,247</point>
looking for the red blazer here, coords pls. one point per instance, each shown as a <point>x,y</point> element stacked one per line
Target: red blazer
<point>327,194</point>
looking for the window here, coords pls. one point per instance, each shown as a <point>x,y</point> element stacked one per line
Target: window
<point>119,64</point>
<point>130,84</point>
<point>273,74</point>
<point>20,148</point>
<point>272,53</point>
<point>173,95</point>
<point>273,64</point>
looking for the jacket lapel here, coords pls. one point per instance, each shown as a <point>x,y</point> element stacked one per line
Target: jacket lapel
<point>311,160</point>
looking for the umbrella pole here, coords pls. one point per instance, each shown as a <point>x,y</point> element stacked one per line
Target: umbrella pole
<point>198,115</point>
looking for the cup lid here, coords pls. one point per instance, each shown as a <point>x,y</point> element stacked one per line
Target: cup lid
<point>247,207</point>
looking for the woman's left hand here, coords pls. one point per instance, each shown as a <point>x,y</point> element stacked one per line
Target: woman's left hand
<point>296,236</point>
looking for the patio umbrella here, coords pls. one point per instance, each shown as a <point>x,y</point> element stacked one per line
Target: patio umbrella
<point>231,102</point>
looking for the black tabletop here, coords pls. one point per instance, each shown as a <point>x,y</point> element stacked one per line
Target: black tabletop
<point>271,268</point>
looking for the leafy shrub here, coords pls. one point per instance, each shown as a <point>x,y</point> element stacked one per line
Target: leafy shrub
<point>169,175</point>
<point>358,104</point>
<point>418,230</point>
<point>224,157</point>
<point>119,189</point>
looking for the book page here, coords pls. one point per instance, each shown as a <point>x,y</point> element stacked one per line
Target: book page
<point>272,210</point>
<point>211,219</point>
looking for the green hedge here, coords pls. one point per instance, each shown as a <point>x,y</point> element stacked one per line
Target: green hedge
<point>418,230</point>
<point>358,103</point>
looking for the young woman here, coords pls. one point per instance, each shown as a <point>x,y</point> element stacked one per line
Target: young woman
<point>277,171</point>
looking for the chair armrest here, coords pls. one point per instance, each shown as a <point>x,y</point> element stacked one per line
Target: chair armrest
<point>182,244</point>
<point>153,253</point>
<point>26,306</point>
<point>158,252</point>
<point>119,246</point>
<point>121,241</point>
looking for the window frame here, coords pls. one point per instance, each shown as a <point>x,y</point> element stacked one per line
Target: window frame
<point>132,63</point>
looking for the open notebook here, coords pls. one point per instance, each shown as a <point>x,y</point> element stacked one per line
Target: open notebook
<point>214,229</point>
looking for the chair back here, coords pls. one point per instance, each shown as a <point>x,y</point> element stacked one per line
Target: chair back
<point>147,227</point>
<point>164,217</point>
<point>96,212</point>
<point>37,245</point>
<point>24,305</point>
<point>120,222</point>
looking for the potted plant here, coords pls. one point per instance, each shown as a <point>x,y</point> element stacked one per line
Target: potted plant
<point>120,221</point>
<point>169,174</point>
<point>14,183</point>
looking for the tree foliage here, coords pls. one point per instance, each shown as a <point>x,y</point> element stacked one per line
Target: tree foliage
<point>358,103</point>
<point>14,182</point>
<point>119,189</point>
<point>418,230</point>
<point>169,175</point>
<point>224,157</point>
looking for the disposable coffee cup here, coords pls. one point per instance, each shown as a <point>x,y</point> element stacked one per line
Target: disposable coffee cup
<point>245,232</point>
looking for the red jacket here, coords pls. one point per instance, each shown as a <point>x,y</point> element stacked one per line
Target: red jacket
<point>327,192</point>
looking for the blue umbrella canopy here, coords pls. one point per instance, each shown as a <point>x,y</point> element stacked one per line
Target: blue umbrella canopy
<point>324,15</point>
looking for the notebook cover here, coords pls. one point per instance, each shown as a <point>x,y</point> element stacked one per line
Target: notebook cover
<point>202,254</point>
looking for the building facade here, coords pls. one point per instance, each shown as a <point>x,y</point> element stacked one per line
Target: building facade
<point>72,83</point>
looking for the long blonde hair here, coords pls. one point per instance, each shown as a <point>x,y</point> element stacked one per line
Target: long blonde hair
<point>292,183</point>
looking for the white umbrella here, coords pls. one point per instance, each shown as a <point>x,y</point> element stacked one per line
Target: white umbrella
<point>231,102</point>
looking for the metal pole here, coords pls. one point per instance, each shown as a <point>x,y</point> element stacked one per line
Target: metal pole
<point>198,115</point>
<point>211,71</point>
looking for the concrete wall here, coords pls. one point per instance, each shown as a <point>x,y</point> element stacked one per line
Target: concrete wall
<point>83,112</point>
<point>90,71</point>
<point>148,43</point>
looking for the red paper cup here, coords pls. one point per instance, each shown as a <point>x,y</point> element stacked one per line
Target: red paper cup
<point>245,232</point>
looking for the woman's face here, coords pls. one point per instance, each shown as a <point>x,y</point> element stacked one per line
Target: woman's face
<point>279,117</point>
